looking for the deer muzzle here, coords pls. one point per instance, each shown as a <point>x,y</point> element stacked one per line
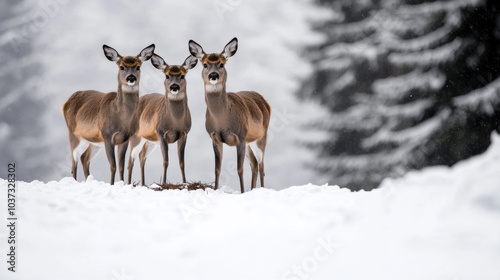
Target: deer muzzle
<point>213,77</point>
<point>175,88</point>
<point>131,79</point>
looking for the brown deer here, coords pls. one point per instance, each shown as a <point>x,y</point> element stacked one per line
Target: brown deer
<point>163,118</point>
<point>238,119</point>
<point>94,118</point>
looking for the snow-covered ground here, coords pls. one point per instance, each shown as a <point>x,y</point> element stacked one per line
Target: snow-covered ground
<point>440,223</point>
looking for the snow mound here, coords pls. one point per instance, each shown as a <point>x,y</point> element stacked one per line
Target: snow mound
<point>439,223</point>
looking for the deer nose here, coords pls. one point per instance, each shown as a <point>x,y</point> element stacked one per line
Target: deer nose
<point>131,78</point>
<point>175,87</point>
<point>213,76</point>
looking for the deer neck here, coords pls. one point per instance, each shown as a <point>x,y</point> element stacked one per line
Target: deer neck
<point>127,98</point>
<point>216,99</point>
<point>176,107</point>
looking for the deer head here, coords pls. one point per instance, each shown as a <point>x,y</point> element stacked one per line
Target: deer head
<point>175,82</point>
<point>214,73</point>
<point>129,74</point>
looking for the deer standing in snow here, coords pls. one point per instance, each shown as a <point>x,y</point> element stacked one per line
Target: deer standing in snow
<point>163,118</point>
<point>238,119</point>
<point>95,118</point>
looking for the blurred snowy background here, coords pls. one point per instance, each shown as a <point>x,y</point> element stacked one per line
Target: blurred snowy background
<point>51,49</point>
<point>370,88</point>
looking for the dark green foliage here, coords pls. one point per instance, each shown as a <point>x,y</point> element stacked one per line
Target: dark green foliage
<point>409,84</point>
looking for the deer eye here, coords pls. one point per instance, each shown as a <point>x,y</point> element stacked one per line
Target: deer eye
<point>138,68</point>
<point>182,77</point>
<point>167,76</point>
<point>205,65</point>
<point>222,65</point>
<point>122,68</point>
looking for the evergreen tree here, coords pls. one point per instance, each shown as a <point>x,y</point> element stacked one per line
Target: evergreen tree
<point>409,84</point>
<point>21,109</point>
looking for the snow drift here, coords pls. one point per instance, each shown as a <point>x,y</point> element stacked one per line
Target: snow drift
<point>440,223</point>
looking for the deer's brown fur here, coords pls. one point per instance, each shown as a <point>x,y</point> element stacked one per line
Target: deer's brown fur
<point>95,118</point>
<point>238,119</point>
<point>163,118</point>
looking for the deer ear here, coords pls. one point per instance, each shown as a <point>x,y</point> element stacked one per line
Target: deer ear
<point>231,48</point>
<point>146,53</point>
<point>195,49</point>
<point>111,53</point>
<point>190,62</point>
<point>158,62</point>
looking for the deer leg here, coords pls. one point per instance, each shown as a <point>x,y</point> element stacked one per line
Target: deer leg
<point>142,159</point>
<point>218,158</point>
<point>254,165</point>
<point>181,145</point>
<point>73,143</point>
<point>85,158</point>
<point>240,157</point>
<point>74,165</point>
<point>110,153</point>
<point>134,141</point>
<point>78,148</point>
<point>130,168</point>
<point>164,151</point>
<point>262,174</point>
<point>122,150</point>
<point>261,144</point>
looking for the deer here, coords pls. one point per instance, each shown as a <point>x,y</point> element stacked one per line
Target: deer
<point>163,118</point>
<point>96,119</point>
<point>239,119</point>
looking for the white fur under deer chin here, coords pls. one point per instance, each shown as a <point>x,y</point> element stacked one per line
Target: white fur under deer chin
<point>213,87</point>
<point>130,88</point>
<point>176,96</point>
